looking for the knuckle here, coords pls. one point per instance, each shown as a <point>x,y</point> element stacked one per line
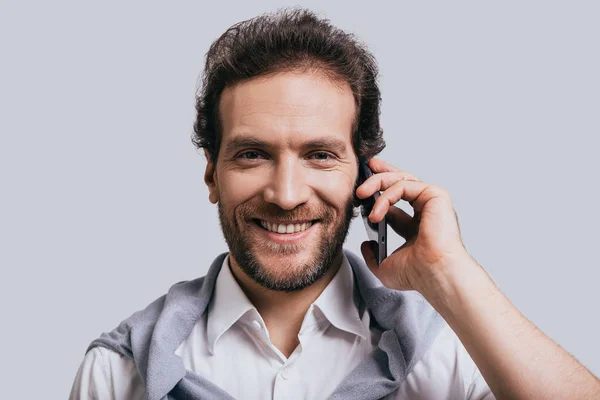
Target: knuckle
<point>445,193</point>
<point>439,191</point>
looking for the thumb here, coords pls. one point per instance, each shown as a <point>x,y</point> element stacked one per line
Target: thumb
<point>392,271</point>
<point>369,254</point>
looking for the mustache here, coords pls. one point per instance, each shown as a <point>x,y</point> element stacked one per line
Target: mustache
<point>272,211</point>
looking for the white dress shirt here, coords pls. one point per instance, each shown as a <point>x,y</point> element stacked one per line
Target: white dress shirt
<point>230,346</point>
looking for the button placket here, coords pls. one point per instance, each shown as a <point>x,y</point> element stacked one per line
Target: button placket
<point>285,373</point>
<point>283,387</point>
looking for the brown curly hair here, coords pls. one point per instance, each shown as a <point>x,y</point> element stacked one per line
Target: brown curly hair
<point>289,39</point>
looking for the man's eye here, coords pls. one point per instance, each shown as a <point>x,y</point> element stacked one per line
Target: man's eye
<point>321,156</point>
<point>250,155</point>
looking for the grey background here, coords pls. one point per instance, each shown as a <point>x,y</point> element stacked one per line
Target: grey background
<point>103,205</point>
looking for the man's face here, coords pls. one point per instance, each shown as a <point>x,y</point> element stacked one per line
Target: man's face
<point>285,175</point>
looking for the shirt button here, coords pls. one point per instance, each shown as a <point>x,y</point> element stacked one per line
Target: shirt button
<point>256,325</point>
<point>284,373</point>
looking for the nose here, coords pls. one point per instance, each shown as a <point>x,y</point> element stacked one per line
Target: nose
<point>288,187</point>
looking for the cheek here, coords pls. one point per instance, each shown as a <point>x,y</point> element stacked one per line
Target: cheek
<point>236,187</point>
<point>333,188</point>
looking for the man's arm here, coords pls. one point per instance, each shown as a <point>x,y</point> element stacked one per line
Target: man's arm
<point>517,360</point>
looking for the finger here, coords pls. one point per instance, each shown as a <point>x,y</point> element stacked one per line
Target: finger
<point>378,165</point>
<point>382,181</point>
<point>401,222</point>
<point>415,193</point>
<point>368,252</point>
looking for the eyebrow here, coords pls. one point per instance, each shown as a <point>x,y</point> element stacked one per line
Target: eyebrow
<point>243,142</point>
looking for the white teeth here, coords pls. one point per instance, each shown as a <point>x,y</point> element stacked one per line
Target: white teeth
<point>289,228</point>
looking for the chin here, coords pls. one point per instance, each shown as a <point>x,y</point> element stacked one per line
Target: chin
<point>285,262</point>
<point>285,272</point>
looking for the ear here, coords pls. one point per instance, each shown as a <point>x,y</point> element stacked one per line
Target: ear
<point>210,178</point>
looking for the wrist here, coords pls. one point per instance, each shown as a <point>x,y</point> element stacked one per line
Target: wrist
<point>452,281</point>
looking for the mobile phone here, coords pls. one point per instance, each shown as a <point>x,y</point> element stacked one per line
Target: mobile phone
<point>375,231</point>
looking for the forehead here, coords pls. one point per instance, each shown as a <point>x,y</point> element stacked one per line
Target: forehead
<point>288,107</point>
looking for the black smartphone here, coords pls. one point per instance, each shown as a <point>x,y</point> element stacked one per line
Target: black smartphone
<point>375,231</point>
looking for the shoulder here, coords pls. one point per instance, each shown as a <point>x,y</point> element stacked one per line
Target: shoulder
<point>108,370</point>
<point>139,325</point>
<point>106,374</point>
<point>113,362</point>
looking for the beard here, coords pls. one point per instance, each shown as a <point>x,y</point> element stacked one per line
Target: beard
<point>290,275</point>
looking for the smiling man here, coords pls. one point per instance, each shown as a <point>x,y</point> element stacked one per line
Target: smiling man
<point>289,104</point>
<point>285,177</point>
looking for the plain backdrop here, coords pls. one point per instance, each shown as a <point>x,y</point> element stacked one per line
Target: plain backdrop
<point>103,205</point>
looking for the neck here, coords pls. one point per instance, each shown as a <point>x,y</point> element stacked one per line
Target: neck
<point>283,312</point>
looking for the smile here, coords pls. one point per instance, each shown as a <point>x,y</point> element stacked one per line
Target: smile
<point>285,228</point>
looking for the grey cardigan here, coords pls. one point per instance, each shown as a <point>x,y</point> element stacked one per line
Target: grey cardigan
<point>151,336</point>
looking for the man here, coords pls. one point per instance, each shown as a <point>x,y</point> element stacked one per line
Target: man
<point>289,104</point>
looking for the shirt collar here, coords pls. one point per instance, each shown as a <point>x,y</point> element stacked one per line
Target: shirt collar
<point>229,303</point>
<point>339,302</point>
